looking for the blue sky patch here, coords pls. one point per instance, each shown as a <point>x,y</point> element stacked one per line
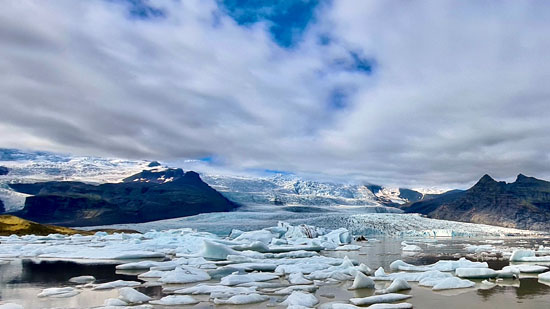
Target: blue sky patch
<point>287,19</point>
<point>141,9</point>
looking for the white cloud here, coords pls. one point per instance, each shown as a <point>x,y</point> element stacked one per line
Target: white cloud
<point>459,88</point>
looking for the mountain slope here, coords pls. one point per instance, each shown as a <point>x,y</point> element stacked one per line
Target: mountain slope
<point>13,225</point>
<point>523,204</point>
<point>146,196</point>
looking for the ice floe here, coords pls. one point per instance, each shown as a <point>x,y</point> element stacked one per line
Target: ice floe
<point>443,265</point>
<point>476,273</point>
<point>132,296</point>
<point>385,298</point>
<point>175,300</point>
<point>82,279</point>
<point>453,283</point>
<point>298,298</point>
<point>59,292</point>
<point>361,281</point>
<point>242,299</point>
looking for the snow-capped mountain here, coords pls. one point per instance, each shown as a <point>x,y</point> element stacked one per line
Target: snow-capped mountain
<point>27,167</point>
<point>34,166</point>
<point>290,190</point>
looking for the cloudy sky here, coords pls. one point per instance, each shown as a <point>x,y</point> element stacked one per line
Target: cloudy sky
<point>414,93</point>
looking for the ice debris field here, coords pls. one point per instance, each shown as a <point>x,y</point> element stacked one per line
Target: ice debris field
<point>283,265</point>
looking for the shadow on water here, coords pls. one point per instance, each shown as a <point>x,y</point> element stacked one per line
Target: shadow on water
<point>41,272</point>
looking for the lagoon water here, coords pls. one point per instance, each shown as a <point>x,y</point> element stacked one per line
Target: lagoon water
<point>22,280</point>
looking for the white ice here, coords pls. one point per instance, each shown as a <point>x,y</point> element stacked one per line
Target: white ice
<point>298,298</point>
<point>386,298</point>
<point>175,300</point>
<point>241,299</point>
<point>132,296</point>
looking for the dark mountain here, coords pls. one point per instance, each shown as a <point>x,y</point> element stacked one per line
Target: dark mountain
<point>2,209</point>
<point>4,170</point>
<point>146,196</point>
<point>523,204</point>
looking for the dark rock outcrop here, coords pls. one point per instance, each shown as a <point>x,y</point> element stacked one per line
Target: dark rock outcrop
<point>523,204</point>
<point>2,208</point>
<point>146,196</point>
<point>154,164</point>
<point>4,170</point>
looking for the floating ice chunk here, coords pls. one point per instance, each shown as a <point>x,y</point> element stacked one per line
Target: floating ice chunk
<point>225,271</point>
<point>443,265</point>
<point>298,298</point>
<point>412,248</point>
<point>11,306</point>
<point>216,251</point>
<point>152,274</point>
<point>257,246</point>
<point>391,306</point>
<point>298,278</point>
<point>361,281</point>
<point>476,273</point>
<point>115,284</point>
<point>396,286</point>
<point>242,299</point>
<point>208,289</point>
<point>143,265</point>
<point>59,292</point>
<point>386,298</point>
<point>544,277</point>
<point>522,255</point>
<point>348,248</point>
<point>132,296</point>
<point>184,274</point>
<point>175,300</point>
<point>253,277</point>
<point>365,269</point>
<point>138,255</point>
<point>255,266</point>
<point>82,279</point>
<point>293,288</point>
<point>453,283</point>
<point>114,302</point>
<point>263,236</point>
<point>339,306</point>
<point>344,271</point>
<point>531,269</point>
<point>479,248</point>
<point>527,256</point>
<point>380,272</point>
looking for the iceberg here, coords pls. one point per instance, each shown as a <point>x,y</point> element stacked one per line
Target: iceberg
<point>116,284</point>
<point>175,300</point>
<point>132,296</point>
<point>184,274</point>
<point>396,286</point>
<point>443,265</point>
<point>82,279</point>
<point>361,281</point>
<point>476,273</point>
<point>253,277</point>
<point>386,298</point>
<point>453,283</point>
<point>298,298</point>
<point>59,292</point>
<point>242,299</point>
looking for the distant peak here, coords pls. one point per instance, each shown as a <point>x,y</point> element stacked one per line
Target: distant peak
<point>486,179</point>
<point>521,177</point>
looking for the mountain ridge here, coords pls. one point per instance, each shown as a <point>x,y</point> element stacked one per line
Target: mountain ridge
<point>524,203</point>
